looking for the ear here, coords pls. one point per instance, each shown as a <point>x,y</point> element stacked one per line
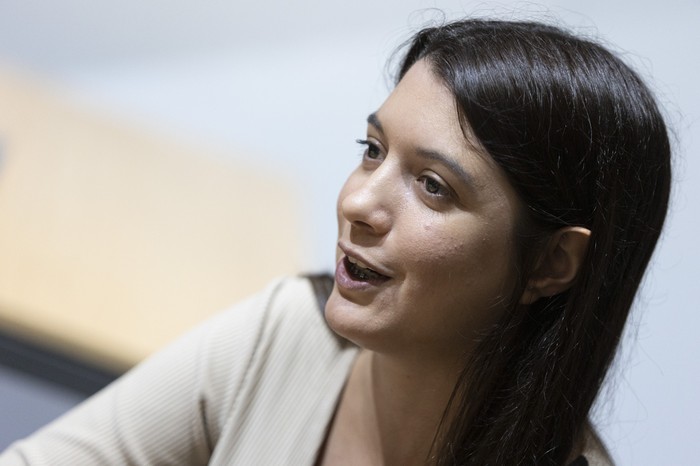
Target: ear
<point>558,265</point>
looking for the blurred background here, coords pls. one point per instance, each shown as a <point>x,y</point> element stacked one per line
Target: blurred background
<point>248,112</point>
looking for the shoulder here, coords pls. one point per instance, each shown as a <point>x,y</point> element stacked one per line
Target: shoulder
<point>268,333</point>
<point>283,312</point>
<point>285,388</point>
<point>296,323</point>
<point>174,407</point>
<point>292,311</point>
<point>277,311</point>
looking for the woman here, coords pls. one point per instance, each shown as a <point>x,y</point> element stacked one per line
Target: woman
<point>491,242</point>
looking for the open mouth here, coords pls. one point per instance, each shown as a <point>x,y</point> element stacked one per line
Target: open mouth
<point>359,271</point>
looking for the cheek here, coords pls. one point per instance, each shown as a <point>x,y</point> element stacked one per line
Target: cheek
<point>462,255</point>
<point>447,243</point>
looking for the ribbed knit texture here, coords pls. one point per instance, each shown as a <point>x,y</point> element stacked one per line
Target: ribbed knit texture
<point>255,385</point>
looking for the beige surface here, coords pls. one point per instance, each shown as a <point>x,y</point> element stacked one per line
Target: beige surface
<point>112,242</point>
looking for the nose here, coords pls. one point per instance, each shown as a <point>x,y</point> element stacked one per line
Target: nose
<point>368,200</point>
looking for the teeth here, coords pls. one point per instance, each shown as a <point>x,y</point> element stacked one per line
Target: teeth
<point>358,263</point>
<point>360,270</point>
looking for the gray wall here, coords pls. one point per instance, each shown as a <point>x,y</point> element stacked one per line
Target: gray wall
<point>28,402</point>
<point>291,83</point>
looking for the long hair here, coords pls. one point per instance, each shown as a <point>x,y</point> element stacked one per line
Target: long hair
<point>583,143</point>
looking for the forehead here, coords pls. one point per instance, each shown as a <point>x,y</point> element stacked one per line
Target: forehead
<point>421,113</point>
<point>423,106</point>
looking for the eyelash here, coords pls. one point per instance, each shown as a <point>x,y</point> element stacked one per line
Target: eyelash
<point>369,148</point>
<point>441,192</point>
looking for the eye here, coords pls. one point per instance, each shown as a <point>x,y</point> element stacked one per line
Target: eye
<point>434,188</point>
<point>372,151</point>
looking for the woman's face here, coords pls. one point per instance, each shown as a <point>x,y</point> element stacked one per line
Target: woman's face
<point>425,242</point>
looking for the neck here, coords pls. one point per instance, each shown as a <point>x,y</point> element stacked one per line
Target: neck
<point>402,402</point>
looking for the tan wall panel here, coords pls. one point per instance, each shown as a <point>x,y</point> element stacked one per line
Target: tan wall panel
<point>114,241</point>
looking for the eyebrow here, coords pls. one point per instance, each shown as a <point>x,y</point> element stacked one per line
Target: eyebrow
<point>373,120</point>
<point>448,162</point>
<point>430,154</point>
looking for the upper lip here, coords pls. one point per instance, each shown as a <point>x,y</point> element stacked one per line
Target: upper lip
<point>350,252</point>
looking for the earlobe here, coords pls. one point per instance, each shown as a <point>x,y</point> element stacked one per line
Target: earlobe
<point>558,265</point>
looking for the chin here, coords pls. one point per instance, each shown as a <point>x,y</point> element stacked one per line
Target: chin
<point>352,322</point>
<point>340,316</point>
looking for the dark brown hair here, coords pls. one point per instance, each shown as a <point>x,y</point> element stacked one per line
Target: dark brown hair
<point>582,141</point>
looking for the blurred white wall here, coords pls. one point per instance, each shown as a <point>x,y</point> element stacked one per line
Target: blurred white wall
<point>288,85</point>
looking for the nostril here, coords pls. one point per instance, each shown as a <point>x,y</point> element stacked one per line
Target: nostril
<point>376,223</point>
<point>362,224</point>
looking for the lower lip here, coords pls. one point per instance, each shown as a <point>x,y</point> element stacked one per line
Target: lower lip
<point>346,280</point>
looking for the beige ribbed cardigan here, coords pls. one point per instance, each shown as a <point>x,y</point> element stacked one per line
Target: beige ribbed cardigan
<point>255,385</point>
